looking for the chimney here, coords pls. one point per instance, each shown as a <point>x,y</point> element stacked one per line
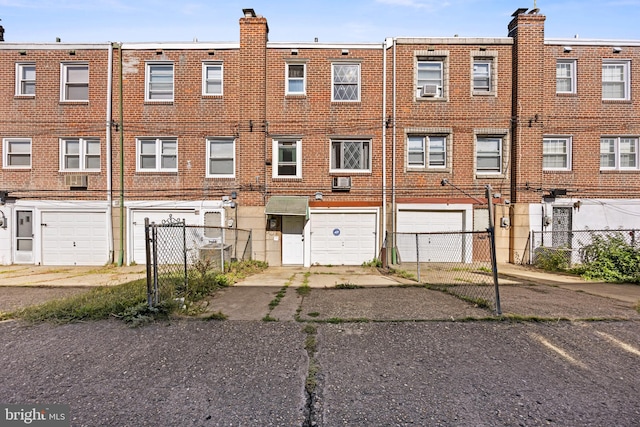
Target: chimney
<point>1,33</point>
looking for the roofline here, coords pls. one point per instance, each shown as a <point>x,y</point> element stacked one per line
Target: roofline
<point>591,42</point>
<point>316,45</point>
<point>53,46</point>
<point>195,45</point>
<point>454,40</point>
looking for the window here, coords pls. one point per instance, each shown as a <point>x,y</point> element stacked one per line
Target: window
<point>157,154</point>
<point>17,153</point>
<point>287,159</point>
<point>556,153</point>
<point>159,82</point>
<point>566,76</point>
<point>615,80</point>
<point>80,154</point>
<point>427,151</point>
<point>618,153</point>
<point>75,82</point>
<point>482,75</point>
<point>489,155</point>
<point>296,84</point>
<point>26,79</point>
<point>211,78</point>
<point>430,78</point>
<point>221,157</point>
<point>350,155</point>
<point>346,82</point>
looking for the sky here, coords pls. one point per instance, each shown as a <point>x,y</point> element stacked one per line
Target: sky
<point>357,21</point>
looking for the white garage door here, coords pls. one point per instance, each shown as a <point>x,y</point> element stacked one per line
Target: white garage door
<point>137,235</point>
<point>432,248</point>
<point>343,238</point>
<point>74,238</point>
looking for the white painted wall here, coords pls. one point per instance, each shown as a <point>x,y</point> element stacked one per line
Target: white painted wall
<point>593,214</point>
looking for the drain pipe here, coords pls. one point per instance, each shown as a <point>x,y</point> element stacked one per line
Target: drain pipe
<point>393,161</point>
<point>384,139</point>
<point>108,152</point>
<point>121,104</point>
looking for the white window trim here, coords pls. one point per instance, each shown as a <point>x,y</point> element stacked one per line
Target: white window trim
<point>358,84</point>
<point>63,80</point>
<point>304,79</point>
<point>147,81</point>
<point>275,161</point>
<point>441,56</point>
<point>349,171</point>
<point>220,175</point>
<point>158,154</point>
<point>427,152</point>
<point>503,134</point>
<point>627,79</point>
<point>205,65</point>
<point>82,155</point>
<point>617,153</point>
<point>5,153</point>
<point>425,155</point>
<point>569,145</point>
<point>574,74</point>
<point>490,57</point>
<point>19,80</point>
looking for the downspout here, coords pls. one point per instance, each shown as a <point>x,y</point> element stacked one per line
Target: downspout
<point>393,161</point>
<point>121,102</point>
<point>108,152</point>
<point>384,138</point>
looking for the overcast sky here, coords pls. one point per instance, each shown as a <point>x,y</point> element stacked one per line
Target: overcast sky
<point>98,21</point>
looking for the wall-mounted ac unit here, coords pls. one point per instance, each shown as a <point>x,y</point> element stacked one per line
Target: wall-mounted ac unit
<point>76,180</point>
<point>342,183</point>
<point>429,91</point>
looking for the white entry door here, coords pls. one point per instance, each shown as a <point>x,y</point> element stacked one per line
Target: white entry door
<point>24,237</point>
<point>293,240</point>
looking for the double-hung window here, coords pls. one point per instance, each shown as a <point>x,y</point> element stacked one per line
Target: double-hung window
<point>16,153</point>
<point>618,153</point>
<point>430,78</point>
<point>75,82</point>
<point>157,155</point>
<point>556,153</point>
<point>346,82</point>
<point>482,75</point>
<point>221,157</point>
<point>25,79</point>
<point>426,151</point>
<point>489,155</point>
<point>566,76</point>
<point>159,81</point>
<point>212,73</point>
<point>615,80</point>
<point>296,82</point>
<point>79,154</point>
<point>351,155</point>
<point>287,159</point>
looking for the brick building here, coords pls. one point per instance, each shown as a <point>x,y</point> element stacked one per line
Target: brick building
<point>319,149</point>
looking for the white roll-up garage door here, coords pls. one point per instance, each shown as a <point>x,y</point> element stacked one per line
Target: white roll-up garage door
<point>74,238</point>
<point>433,248</point>
<point>343,238</point>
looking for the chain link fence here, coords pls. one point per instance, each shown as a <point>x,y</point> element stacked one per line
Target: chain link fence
<point>181,257</point>
<point>459,263</point>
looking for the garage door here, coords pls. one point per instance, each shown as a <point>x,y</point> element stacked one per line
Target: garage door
<point>74,238</point>
<point>343,238</point>
<point>137,235</point>
<point>432,248</point>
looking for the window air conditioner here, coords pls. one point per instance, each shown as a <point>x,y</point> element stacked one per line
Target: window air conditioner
<point>76,180</point>
<point>429,91</point>
<point>341,183</point>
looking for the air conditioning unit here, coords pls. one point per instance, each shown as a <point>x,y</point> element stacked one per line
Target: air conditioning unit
<point>342,183</point>
<point>76,180</point>
<point>429,91</point>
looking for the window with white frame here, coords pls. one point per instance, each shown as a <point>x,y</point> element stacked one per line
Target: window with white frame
<point>482,70</point>
<point>212,73</point>
<point>430,81</point>
<point>16,153</point>
<point>556,153</point>
<point>346,82</point>
<point>618,152</point>
<point>566,76</point>
<point>615,80</point>
<point>427,151</point>
<point>296,81</point>
<point>221,157</point>
<point>351,155</point>
<point>159,81</point>
<point>79,154</point>
<point>157,154</point>
<point>287,159</point>
<point>75,82</point>
<point>489,155</point>
<point>25,79</point>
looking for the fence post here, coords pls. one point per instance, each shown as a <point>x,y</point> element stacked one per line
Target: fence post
<point>492,239</point>
<point>184,254</point>
<point>418,255</point>
<point>154,248</point>
<point>147,247</point>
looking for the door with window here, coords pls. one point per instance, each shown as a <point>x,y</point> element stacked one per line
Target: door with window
<point>561,227</point>
<point>293,240</point>
<point>24,237</point>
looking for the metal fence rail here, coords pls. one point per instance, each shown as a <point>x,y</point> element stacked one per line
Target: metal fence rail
<point>179,254</point>
<point>459,263</point>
